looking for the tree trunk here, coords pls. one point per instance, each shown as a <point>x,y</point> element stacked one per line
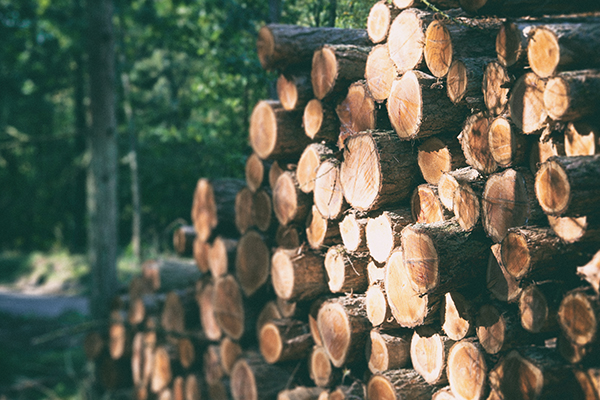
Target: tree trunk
<point>388,351</point>
<point>572,95</point>
<point>438,155</point>
<point>515,8</point>
<point>328,194</point>
<point>426,207</point>
<point>321,232</point>
<point>334,67</point>
<point>507,146</point>
<point>276,133</point>
<point>380,17</point>
<point>279,46</point>
<point>213,208</point>
<point>399,384</point>
<point>474,140</point>
<point>252,262</point>
<point>526,103</point>
<point>467,369</point>
<point>449,182</point>
<point>102,175</point>
<point>383,232</point>
<point>284,339</point>
<point>294,89</point>
<point>346,272</point>
<point>321,122</point>
<point>380,72</point>
<point>418,108</point>
<point>344,328</point>
<point>378,169</point>
<point>406,39</point>
<point>290,203</point>
<point>312,157</point>
<point>298,274</point>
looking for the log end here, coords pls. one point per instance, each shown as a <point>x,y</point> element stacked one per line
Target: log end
<point>421,259</point>
<point>270,343</point>
<point>557,98</point>
<point>312,119</point>
<point>265,47</point>
<point>335,331</point>
<point>378,22</point>
<point>467,370</point>
<point>533,308</point>
<point>543,52</point>
<point>282,274</point>
<point>434,159</point>
<point>438,49</point>
<point>508,44</point>
<point>263,129</point>
<point>406,40</point>
<point>404,106</point>
<point>457,80</point>
<point>552,188</point>
<point>324,72</point>
<point>578,318</point>
<point>243,382</point>
<point>380,388</point>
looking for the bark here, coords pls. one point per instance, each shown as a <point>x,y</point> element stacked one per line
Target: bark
<point>526,103</point>
<point>344,328</point>
<point>457,316</point>
<point>406,39</point>
<point>252,262</point>
<point>288,237</point>
<point>291,204</point>
<point>464,82</point>
<point>321,122</point>
<point>256,172</point>
<point>276,133</point>
<point>569,186</point>
<point>495,86</point>
<point>328,194</point>
<point>298,274</point>
<point>572,95</point>
<point>352,230</point>
<point>213,208</point>
<point>320,231</point>
<point>508,201</point>
<point>499,329</point>
<point>474,140</point>
<point>426,207</point>
<point>308,164</point>
<point>269,312</point>
<point>417,108</point>
<point>467,369</point>
<point>179,313</point>
<point>515,8</point>
<point>442,256</point>
<point>449,182</point>
<point>399,384</point>
<point>253,379</point>
<point>388,351</point>
<point>294,89</point>
<point>441,4</point>
<point>170,274</point>
<point>507,146</point>
<point>284,340</point>
<point>346,272</point>
<point>378,169</point>
<point>221,256</point>
<point>380,72</point>
<point>438,155</point>
<point>383,232</point>
<point>334,67</point>
<point>380,17</point>
<point>279,46</point>
<point>183,240</point>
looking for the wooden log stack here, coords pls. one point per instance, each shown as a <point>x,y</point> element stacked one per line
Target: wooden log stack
<point>419,218</point>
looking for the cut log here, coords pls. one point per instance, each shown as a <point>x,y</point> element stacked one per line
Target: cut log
<point>119,340</point>
<point>543,149</point>
<point>290,309</point>
<point>320,369</point>
<point>378,309</point>
<point>537,373</point>
<point>441,4</point>
<point>563,46</point>
<point>252,262</point>
<point>357,112</point>
<point>474,140</point>
<point>569,186</point>
<point>442,256</point>
<point>213,208</point>
<point>406,38</point>
<point>300,393</point>
<point>572,95</point>
<point>334,67</point>
<point>346,272</point>
<point>298,274</point>
<point>507,146</point>
<point>380,72</point>
<point>467,370</point>
<point>388,351</point>
<point>288,237</point>
<point>408,307</point>
<point>426,207</point>
<point>494,87</point>
<point>378,169</point>
<point>511,43</point>
<point>183,240</point>
<point>344,328</point>
<point>168,274</point>
<point>428,353</point>
<point>161,371</point>
<point>228,306</point>
<point>229,351</point>
<point>445,393</point>
<point>507,202</point>
<point>320,122</point>
<point>457,316</point>
<point>281,45</point>
<point>269,312</point>
<point>498,331</point>
<point>526,103</point>
<point>589,381</point>
<point>276,133</point>
<point>294,89</point>
<point>192,388</point>
<point>579,317</point>
<point>253,379</point>
<point>290,203</point>
<point>208,321</point>
<point>256,171</point>
<point>284,339</point>
<point>179,312</point>
<point>438,155</point>
<point>538,306</point>
<point>243,210</point>
<point>356,390</point>
<point>352,230</point>
<point>399,384</point>
<point>383,232</point>
<point>380,17</point>
<point>262,211</point>
<point>464,82</point>
<point>571,230</point>
<point>328,194</point>
<point>213,371</point>
<point>591,272</point>
<point>417,108</point>
<point>310,160</point>
<point>188,352</point>
<point>320,231</point>
<point>449,182</point>
<point>581,139</point>
<point>467,206</point>
<point>274,173</point>
<point>221,256</point>
<point>515,8</point>
<point>500,282</point>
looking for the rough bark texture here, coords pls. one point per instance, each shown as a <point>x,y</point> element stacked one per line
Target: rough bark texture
<point>253,379</point>
<point>298,274</point>
<point>388,351</point>
<point>285,339</point>
<point>572,95</point>
<point>334,67</point>
<point>515,8</point>
<point>281,45</point>
<point>378,169</point>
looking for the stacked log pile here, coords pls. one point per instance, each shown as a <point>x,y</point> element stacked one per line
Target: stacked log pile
<point>418,218</point>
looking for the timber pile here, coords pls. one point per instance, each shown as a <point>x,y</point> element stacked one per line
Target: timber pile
<point>418,219</point>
